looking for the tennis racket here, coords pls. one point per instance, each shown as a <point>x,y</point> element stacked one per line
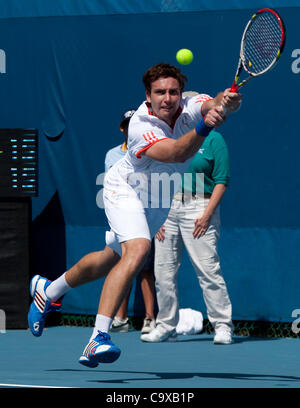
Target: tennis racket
<point>262,45</point>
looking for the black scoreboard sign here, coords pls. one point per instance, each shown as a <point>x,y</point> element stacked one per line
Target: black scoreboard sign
<point>18,162</point>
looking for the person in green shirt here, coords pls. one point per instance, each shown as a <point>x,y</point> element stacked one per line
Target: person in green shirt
<point>194,222</point>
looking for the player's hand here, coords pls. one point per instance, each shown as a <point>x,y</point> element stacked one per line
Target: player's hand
<point>231,101</point>
<point>160,235</point>
<point>214,117</point>
<point>201,226</point>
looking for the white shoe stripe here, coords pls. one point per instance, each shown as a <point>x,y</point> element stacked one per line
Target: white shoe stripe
<point>89,347</point>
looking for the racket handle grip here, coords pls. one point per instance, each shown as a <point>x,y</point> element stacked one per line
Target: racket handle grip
<point>224,111</point>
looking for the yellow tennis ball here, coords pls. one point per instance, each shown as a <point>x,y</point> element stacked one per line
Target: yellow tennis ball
<point>184,56</point>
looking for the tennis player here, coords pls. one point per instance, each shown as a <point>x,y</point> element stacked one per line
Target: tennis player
<point>164,134</point>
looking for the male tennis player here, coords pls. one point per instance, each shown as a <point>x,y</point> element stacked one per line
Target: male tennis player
<point>164,133</point>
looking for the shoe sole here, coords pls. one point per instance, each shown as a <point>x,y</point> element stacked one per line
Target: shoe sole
<point>32,289</point>
<point>87,363</point>
<point>108,357</point>
<point>33,285</point>
<point>35,332</point>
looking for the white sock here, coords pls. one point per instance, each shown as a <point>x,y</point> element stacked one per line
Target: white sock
<point>57,288</point>
<point>102,323</point>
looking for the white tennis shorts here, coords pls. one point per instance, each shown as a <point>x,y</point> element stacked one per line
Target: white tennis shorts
<point>128,218</point>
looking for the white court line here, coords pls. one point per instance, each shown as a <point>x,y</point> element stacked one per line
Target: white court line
<point>30,386</point>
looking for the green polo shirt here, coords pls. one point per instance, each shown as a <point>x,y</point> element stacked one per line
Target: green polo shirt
<point>212,160</point>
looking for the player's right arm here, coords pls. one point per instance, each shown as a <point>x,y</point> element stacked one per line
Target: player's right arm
<point>172,151</point>
<point>230,101</point>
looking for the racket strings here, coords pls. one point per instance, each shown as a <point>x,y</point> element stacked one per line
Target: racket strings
<point>262,42</point>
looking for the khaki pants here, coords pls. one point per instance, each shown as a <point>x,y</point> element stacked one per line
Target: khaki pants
<point>203,254</point>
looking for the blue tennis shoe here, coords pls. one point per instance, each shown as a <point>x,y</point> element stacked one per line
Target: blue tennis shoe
<point>40,306</point>
<point>99,350</point>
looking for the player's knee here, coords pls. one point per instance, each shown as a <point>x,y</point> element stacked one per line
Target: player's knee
<point>141,251</point>
<point>136,251</point>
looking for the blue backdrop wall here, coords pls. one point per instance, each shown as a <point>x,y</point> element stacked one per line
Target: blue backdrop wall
<point>70,69</point>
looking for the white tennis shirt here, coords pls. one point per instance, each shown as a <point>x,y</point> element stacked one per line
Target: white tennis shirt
<point>129,185</point>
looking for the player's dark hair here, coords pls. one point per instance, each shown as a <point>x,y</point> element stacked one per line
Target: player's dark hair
<point>163,70</point>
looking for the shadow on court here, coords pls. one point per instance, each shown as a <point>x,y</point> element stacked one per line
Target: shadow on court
<point>184,376</point>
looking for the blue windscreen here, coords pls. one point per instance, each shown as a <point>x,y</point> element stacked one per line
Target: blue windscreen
<point>69,69</point>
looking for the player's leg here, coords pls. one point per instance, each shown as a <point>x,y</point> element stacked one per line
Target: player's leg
<point>130,237</point>
<point>119,280</point>
<point>100,348</point>
<point>91,267</point>
<point>121,322</point>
